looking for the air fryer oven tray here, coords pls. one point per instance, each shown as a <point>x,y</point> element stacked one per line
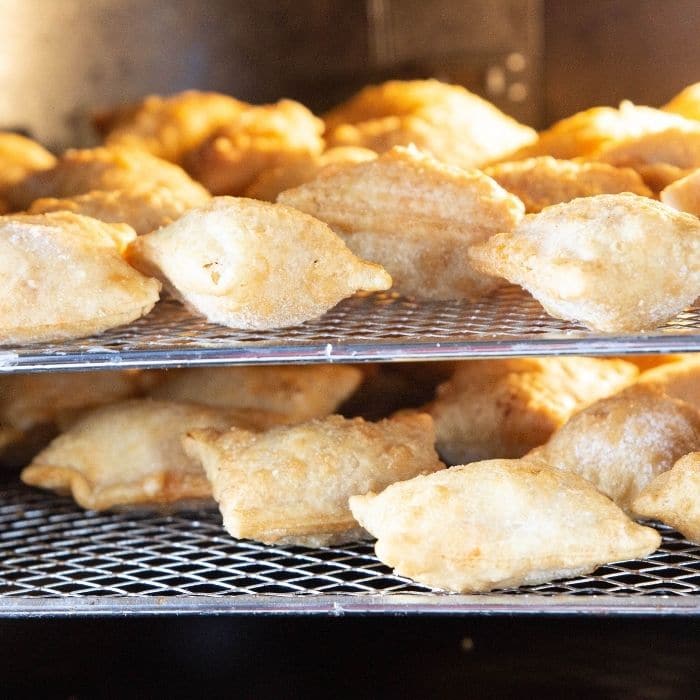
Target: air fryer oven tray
<point>379,327</point>
<point>58,560</point>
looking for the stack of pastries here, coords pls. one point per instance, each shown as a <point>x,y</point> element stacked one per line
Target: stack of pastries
<point>471,476</point>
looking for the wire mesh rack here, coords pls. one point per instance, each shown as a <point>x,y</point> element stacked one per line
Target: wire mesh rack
<point>56,559</point>
<point>379,327</point>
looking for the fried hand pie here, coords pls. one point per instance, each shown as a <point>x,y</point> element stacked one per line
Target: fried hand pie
<point>686,102</point>
<point>498,524</point>
<point>541,182</point>
<point>413,215</point>
<point>684,193</point>
<point>20,156</point>
<point>680,379</point>
<point>453,124</point>
<point>79,171</point>
<point>298,393</point>
<point>64,277</point>
<point>503,408</point>
<point>169,127</point>
<point>673,497</point>
<point>250,264</point>
<point>127,453</point>
<point>259,138</point>
<point>621,443</point>
<point>591,260</point>
<point>291,484</point>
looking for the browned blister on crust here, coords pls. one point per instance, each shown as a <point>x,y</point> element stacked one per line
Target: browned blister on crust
<point>541,182</point>
<point>621,443</point>
<point>673,497</point>
<point>450,122</point>
<point>413,215</point>
<point>292,484</point>
<point>504,408</point>
<point>498,524</point>
<point>615,262</point>
<point>250,264</point>
<point>64,277</point>
<point>298,393</point>
<point>129,453</point>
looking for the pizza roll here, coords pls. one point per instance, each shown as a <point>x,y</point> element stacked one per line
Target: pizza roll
<point>272,181</point>
<point>19,157</point>
<point>673,497</point>
<point>130,453</point>
<point>453,124</point>
<point>680,379</point>
<point>684,193</point>
<point>614,262</point>
<point>498,524</point>
<point>299,393</point>
<point>686,102</point>
<point>259,138</point>
<point>250,264</point>
<point>504,408</point>
<point>291,484</point>
<point>541,182</point>
<point>64,277</point>
<point>169,127</point>
<point>144,209</point>
<point>584,133</point>
<point>79,171</point>
<point>413,215</point>
<point>621,443</point>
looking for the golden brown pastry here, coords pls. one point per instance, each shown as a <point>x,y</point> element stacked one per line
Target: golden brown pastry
<point>413,215</point>
<point>614,262</point>
<point>645,362</point>
<point>448,121</point>
<point>686,102</point>
<point>250,264</point>
<point>128,453</point>
<point>144,209</point>
<point>673,497</point>
<point>680,379</point>
<point>541,182</point>
<point>64,277</point>
<point>503,408</point>
<point>169,127</point>
<point>584,133</point>
<point>498,524</point>
<point>298,393</point>
<point>259,138</point>
<point>291,484</point>
<point>20,156</point>
<point>272,181</point>
<point>684,193</point>
<point>79,171</point>
<point>621,443</point>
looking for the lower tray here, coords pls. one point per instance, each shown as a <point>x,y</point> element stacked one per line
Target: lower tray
<point>58,560</point>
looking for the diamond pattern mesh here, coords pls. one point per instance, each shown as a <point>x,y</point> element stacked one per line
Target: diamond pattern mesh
<point>49,548</point>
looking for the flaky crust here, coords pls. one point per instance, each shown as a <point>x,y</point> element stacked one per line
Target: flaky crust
<point>20,156</point>
<point>615,262</point>
<point>259,138</point>
<point>64,277</point>
<point>144,209</point>
<point>541,182</point>
<point>79,171</point>
<point>448,121</point>
<point>292,484</point>
<point>169,127</point>
<point>296,393</point>
<point>684,193</point>
<point>621,443</point>
<point>498,524</point>
<point>127,453</point>
<point>250,264</point>
<point>413,215</point>
<point>673,497</point>
<point>503,408</point>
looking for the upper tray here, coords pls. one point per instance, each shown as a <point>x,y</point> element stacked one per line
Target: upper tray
<point>379,327</point>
